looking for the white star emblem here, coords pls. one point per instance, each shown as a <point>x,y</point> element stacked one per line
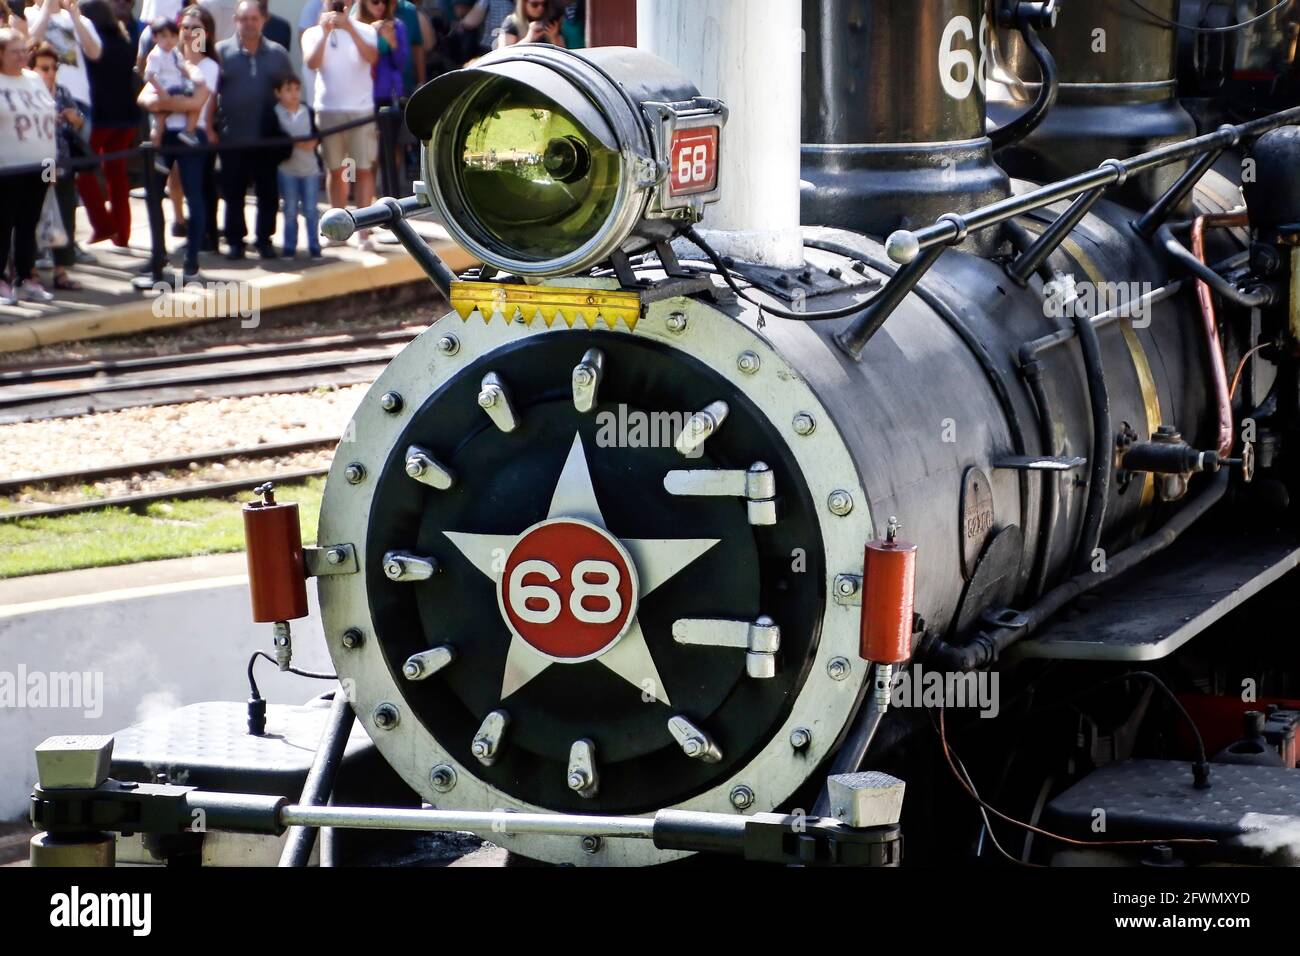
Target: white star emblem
<point>655,559</point>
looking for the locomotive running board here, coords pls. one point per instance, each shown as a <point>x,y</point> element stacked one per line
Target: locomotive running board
<point>1160,606</point>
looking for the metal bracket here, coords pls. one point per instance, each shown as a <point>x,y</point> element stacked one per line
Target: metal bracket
<point>848,590</point>
<point>1039,462</point>
<point>806,282</point>
<point>1006,617</point>
<point>404,566</point>
<point>694,742</point>
<point>757,485</point>
<point>330,559</point>
<point>761,639</point>
<point>494,398</point>
<point>586,379</point>
<point>487,742</point>
<point>427,663</point>
<point>582,778</point>
<point>424,468</point>
<point>699,427</point>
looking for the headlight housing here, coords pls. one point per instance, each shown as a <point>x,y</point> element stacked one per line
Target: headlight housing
<point>544,162</point>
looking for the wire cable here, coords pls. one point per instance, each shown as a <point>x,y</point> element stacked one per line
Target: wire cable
<point>780,313</point>
<point>1241,367</point>
<point>252,681</point>
<point>1228,29</point>
<point>949,756</point>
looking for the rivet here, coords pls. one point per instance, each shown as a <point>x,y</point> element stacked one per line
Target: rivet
<point>800,738</point>
<point>353,638</point>
<point>803,424</point>
<point>355,473</point>
<point>840,502</point>
<point>592,844</point>
<point>386,717</point>
<point>390,402</point>
<point>742,798</point>
<point>748,362</point>
<point>442,777</point>
<point>838,668</point>
<point>449,345</point>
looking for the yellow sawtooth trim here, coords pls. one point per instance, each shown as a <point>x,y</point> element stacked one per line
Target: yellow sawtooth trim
<point>589,306</point>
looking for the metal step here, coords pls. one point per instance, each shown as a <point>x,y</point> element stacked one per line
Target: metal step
<point>1159,606</point>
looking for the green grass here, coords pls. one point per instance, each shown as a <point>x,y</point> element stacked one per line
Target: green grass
<point>112,536</point>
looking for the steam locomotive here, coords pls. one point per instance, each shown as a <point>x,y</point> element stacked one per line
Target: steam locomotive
<point>950,505</point>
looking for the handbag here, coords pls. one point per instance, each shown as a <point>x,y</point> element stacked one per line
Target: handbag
<point>50,233</point>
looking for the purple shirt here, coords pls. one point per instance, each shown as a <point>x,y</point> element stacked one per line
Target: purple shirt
<point>388,68</point>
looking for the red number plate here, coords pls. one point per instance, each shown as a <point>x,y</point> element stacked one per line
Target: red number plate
<point>694,157</point>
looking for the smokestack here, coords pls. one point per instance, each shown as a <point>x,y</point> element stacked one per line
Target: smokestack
<point>893,114</point>
<point>747,54</point>
<point>1118,94</point>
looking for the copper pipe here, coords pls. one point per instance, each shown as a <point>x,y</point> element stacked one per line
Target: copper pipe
<point>1210,324</point>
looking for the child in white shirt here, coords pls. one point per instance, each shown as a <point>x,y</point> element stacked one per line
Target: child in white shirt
<point>168,73</point>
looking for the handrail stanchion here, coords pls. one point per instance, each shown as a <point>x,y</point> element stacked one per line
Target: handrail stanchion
<point>153,202</point>
<point>388,151</point>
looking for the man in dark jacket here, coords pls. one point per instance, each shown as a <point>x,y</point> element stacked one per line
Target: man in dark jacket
<point>251,66</point>
<point>277,28</point>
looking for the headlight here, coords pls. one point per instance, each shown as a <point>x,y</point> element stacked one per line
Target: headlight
<point>545,162</point>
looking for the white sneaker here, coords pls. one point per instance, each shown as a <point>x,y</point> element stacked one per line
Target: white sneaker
<point>33,291</point>
<point>7,294</point>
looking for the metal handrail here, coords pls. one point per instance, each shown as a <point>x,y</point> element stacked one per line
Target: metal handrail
<point>904,245</point>
<point>918,250</point>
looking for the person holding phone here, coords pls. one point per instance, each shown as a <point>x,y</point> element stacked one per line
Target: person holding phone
<point>534,21</point>
<point>75,39</point>
<point>342,50</point>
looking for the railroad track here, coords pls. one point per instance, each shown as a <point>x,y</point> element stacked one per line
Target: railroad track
<point>139,499</point>
<point>10,485</point>
<point>210,489</point>
<point>60,390</point>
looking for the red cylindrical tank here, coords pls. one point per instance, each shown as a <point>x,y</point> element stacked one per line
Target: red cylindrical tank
<point>277,577</point>
<point>888,589</point>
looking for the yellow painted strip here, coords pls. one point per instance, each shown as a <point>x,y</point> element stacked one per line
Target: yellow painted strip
<point>1141,365</point>
<point>528,302</point>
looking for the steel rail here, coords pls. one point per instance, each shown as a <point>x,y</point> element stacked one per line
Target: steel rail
<point>30,375</point>
<point>10,485</point>
<point>208,490</point>
<point>198,378</point>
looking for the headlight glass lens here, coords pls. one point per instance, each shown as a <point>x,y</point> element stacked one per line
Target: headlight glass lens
<point>528,180</point>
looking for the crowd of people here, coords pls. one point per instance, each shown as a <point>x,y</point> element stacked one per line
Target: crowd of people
<point>209,88</point>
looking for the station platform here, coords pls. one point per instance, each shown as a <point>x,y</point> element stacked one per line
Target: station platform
<point>110,305</point>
